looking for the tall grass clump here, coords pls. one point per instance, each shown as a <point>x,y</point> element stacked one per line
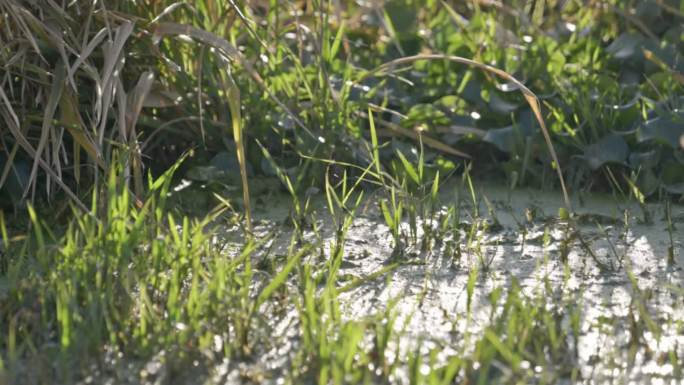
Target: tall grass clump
<point>82,79</point>
<point>132,282</point>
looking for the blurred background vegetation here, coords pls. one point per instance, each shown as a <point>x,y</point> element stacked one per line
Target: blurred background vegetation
<point>151,80</point>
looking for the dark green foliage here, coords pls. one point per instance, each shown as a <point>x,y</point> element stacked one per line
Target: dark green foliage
<point>603,69</point>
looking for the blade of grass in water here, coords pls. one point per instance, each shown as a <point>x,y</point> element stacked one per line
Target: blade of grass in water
<point>234,105</point>
<point>281,277</point>
<point>374,143</point>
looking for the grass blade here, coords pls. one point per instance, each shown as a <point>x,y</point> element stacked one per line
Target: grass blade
<point>281,277</point>
<point>232,53</point>
<point>233,94</point>
<point>59,76</point>
<point>374,143</point>
<point>12,122</point>
<point>408,167</point>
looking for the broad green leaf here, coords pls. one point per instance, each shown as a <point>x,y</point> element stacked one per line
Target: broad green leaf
<point>611,148</point>
<point>666,130</point>
<point>648,159</point>
<point>500,105</point>
<point>672,177</point>
<point>627,46</point>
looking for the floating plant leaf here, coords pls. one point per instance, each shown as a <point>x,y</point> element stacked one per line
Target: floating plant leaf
<point>667,130</point>
<point>402,16</point>
<point>626,46</point>
<point>647,181</point>
<point>672,177</point>
<point>611,148</point>
<point>500,105</point>
<point>508,139</point>
<point>472,92</point>
<point>647,159</point>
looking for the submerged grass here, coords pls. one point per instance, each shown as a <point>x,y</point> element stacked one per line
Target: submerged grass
<point>135,282</point>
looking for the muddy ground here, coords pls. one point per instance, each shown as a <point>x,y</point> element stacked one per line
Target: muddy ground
<point>521,240</point>
<point>611,268</point>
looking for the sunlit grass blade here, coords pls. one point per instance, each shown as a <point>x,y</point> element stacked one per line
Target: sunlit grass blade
<point>435,187</point>
<point>234,103</point>
<point>374,143</point>
<point>408,167</point>
<point>280,278</point>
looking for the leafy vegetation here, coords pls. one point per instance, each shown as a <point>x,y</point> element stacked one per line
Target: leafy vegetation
<point>153,80</point>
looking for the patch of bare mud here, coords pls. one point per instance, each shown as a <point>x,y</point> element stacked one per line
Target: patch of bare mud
<point>611,242</point>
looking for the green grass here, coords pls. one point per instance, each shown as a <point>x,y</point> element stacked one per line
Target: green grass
<point>138,132</point>
<point>143,281</point>
<point>144,293</point>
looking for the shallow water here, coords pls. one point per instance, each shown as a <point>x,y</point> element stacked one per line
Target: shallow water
<point>429,286</point>
<point>431,291</point>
